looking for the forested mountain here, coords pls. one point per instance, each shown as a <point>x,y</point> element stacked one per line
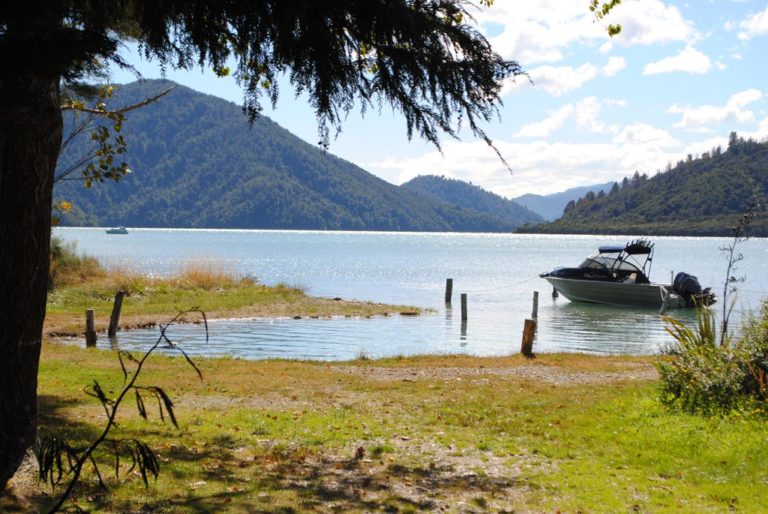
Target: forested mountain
<point>550,207</point>
<point>197,163</point>
<point>702,196</point>
<point>466,195</point>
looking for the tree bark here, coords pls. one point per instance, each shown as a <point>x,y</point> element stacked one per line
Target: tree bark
<point>30,135</point>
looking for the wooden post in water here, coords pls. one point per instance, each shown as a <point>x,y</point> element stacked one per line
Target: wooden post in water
<point>90,330</point>
<point>463,306</point>
<point>535,311</point>
<point>529,333</point>
<point>448,290</point>
<point>114,319</point>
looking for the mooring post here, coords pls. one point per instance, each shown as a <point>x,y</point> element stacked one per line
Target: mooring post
<point>554,292</point>
<point>448,290</point>
<point>114,319</point>
<point>463,306</point>
<point>535,311</point>
<point>529,332</point>
<point>90,330</point>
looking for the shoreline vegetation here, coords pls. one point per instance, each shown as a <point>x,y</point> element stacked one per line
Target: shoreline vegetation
<point>449,433</point>
<point>79,282</point>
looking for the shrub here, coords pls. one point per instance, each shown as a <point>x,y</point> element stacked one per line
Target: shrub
<point>67,266</point>
<point>753,351</point>
<point>701,376</point>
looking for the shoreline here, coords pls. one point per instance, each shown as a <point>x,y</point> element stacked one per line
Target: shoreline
<point>62,325</point>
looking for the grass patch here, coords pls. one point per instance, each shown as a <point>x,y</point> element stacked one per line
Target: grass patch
<point>84,284</point>
<point>464,433</point>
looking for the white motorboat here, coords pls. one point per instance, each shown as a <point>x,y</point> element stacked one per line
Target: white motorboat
<point>618,275</point>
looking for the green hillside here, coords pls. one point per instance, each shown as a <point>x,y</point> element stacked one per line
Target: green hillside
<point>466,195</point>
<point>197,163</point>
<point>702,196</point>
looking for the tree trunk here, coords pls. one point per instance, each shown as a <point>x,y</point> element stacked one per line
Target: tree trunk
<point>30,135</point>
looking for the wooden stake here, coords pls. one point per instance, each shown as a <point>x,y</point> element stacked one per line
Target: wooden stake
<point>448,290</point>
<point>463,306</point>
<point>535,312</point>
<point>114,319</point>
<point>529,333</point>
<point>90,331</point>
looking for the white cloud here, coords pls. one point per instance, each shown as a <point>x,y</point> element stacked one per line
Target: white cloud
<point>541,166</point>
<point>760,134</point>
<point>688,60</point>
<point>615,65</point>
<point>538,32</point>
<point>558,80</point>
<point>650,22</point>
<point>548,125</point>
<point>645,135</point>
<point>755,25</point>
<point>585,114</point>
<point>696,118</point>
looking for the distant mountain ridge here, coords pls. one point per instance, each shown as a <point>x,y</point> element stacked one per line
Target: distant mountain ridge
<point>698,197</point>
<point>197,163</point>
<point>550,207</point>
<point>469,196</point>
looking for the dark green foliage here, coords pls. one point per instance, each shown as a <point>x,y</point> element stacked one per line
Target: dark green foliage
<point>197,163</point>
<point>419,57</point>
<point>471,197</point>
<point>701,376</point>
<point>701,197</point>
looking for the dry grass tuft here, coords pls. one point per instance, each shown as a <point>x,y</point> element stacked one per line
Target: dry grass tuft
<point>69,267</point>
<point>206,274</point>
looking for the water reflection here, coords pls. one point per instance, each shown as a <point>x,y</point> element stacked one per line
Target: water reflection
<point>607,329</point>
<point>562,326</point>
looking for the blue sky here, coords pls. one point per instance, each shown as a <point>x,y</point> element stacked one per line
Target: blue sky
<point>677,80</point>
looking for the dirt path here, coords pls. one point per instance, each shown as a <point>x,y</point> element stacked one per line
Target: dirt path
<point>531,371</point>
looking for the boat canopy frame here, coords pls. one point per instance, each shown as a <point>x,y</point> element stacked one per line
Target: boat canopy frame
<point>629,259</point>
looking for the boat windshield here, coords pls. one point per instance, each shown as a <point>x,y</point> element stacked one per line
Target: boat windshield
<point>601,261</point>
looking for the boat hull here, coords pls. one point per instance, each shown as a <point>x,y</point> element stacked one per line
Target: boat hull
<point>616,293</point>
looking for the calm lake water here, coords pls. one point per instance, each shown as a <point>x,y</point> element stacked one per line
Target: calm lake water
<point>499,273</point>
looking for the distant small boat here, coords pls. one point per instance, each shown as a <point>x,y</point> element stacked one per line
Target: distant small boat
<point>117,230</point>
<point>618,275</point>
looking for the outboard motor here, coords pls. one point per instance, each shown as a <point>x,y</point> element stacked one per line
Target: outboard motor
<point>689,289</point>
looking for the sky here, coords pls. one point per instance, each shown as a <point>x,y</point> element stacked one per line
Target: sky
<point>676,81</point>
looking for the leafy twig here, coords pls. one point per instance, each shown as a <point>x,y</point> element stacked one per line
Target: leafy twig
<point>739,236</point>
<point>57,458</point>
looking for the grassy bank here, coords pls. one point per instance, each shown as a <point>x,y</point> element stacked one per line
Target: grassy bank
<point>460,434</point>
<point>83,283</point>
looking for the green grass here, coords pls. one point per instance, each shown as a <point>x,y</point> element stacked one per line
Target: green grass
<point>200,285</point>
<point>282,436</point>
